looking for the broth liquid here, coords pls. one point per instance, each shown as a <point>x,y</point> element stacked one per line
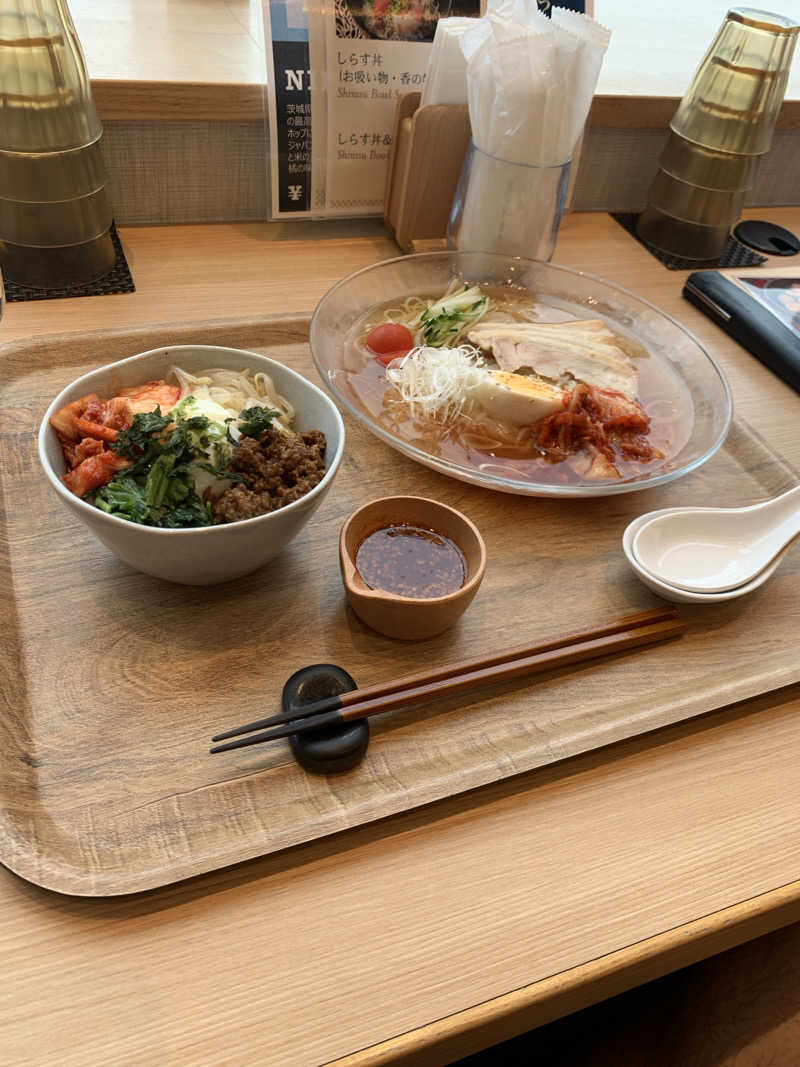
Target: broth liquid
<point>664,397</point>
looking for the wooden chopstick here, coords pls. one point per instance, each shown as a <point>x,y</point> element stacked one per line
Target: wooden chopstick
<point>466,676</point>
<point>355,696</point>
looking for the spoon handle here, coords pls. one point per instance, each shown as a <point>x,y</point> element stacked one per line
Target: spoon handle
<point>786,505</point>
<point>784,519</point>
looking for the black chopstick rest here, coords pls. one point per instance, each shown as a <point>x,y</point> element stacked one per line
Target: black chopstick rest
<point>331,749</point>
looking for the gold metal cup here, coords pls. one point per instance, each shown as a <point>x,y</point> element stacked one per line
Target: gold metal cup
<point>61,222</point>
<point>694,203</point>
<point>54,211</point>
<point>733,101</point>
<point>49,176</point>
<point>681,237</point>
<point>722,127</point>
<point>708,167</point>
<point>61,266</point>
<point>44,85</point>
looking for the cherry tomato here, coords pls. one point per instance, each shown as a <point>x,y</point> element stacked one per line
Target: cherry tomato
<point>387,357</point>
<point>389,337</point>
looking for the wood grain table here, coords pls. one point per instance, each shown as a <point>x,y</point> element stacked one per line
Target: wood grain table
<point>435,933</point>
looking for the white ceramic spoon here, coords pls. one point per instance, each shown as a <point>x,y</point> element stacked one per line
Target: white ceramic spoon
<point>713,550</point>
<point>683,596</point>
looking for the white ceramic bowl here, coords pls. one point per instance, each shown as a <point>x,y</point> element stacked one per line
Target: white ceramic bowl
<point>210,554</point>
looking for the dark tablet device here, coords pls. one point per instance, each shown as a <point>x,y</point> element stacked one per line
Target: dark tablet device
<point>761,312</point>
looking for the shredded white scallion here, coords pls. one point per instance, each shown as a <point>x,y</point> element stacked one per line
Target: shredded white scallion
<point>436,381</point>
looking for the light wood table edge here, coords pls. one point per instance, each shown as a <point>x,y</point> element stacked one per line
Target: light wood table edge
<point>533,1005</point>
<point>174,101</point>
<point>630,111</point>
<point>295,322</point>
<point>154,101</point>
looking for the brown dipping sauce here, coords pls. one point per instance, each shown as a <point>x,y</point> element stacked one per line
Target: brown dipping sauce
<point>411,561</point>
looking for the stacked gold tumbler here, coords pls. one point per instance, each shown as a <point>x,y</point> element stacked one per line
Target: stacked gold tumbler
<point>722,128</point>
<point>54,212</point>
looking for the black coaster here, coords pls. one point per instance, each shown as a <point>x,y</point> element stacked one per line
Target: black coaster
<point>117,280</point>
<point>733,255</point>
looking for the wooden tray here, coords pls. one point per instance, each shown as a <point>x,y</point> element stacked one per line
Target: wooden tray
<point>113,682</point>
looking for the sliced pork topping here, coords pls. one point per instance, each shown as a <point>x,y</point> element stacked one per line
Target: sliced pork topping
<point>585,350</point>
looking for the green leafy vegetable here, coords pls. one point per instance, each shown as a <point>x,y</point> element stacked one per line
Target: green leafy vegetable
<point>254,421</point>
<point>158,489</point>
<point>136,441</point>
<point>443,321</point>
<point>192,512</point>
<point>123,497</point>
<point>165,497</point>
<point>162,489</point>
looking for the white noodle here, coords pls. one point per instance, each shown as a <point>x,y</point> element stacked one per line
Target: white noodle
<point>236,391</point>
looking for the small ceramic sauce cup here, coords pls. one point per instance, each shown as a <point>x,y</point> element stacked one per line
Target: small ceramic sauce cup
<point>403,617</point>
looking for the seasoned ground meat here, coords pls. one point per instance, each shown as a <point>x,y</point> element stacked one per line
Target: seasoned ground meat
<point>277,468</point>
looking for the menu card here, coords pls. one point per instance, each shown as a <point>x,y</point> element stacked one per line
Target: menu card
<point>335,70</point>
<point>760,311</point>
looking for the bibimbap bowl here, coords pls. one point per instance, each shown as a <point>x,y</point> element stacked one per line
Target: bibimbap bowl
<point>206,555</point>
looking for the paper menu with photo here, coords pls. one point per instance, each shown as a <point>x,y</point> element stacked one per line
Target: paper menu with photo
<point>779,294</point>
<point>335,70</point>
<point>760,309</point>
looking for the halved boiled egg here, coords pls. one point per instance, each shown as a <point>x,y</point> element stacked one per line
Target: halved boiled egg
<point>517,397</point>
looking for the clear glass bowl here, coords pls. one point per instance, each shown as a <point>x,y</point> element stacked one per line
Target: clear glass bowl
<point>581,295</point>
